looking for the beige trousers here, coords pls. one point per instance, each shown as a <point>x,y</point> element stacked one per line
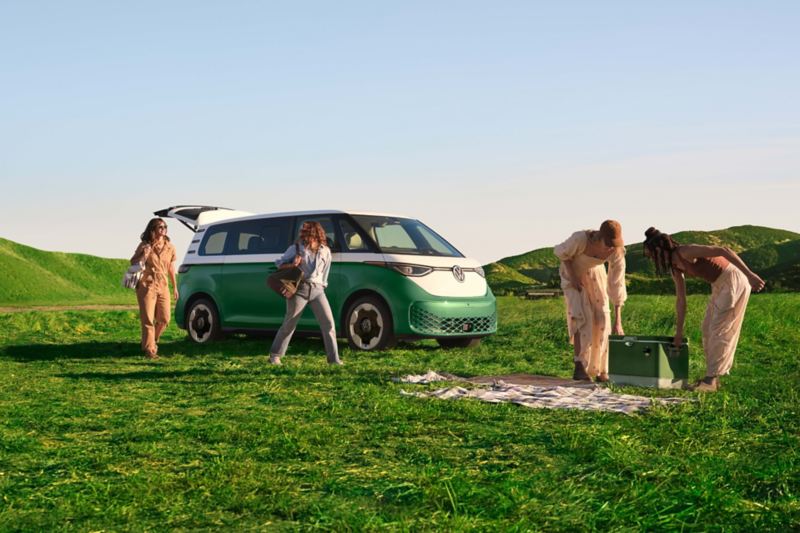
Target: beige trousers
<point>154,312</point>
<point>723,321</point>
<point>589,317</point>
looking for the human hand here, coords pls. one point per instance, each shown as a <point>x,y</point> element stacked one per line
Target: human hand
<point>175,294</point>
<point>297,260</point>
<point>617,330</point>
<point>756,282</point>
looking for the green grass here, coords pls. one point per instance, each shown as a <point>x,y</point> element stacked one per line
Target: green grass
<point>95,437</point>
<point>36,277</point>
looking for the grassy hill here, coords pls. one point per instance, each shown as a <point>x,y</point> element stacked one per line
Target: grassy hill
<point>773,253</point>
<point>35,277</point>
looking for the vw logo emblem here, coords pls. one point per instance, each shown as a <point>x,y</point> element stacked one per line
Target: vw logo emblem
<point>458,273</point>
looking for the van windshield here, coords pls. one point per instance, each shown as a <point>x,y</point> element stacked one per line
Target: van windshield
<point>405,236</point>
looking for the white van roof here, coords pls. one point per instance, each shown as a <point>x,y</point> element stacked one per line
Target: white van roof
<point>194,216</point>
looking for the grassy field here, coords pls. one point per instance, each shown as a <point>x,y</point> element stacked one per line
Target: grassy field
<point>35,277</point>
<point>95,437</point>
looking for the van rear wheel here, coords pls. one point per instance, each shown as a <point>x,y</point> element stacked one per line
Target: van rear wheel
<point>203,321</point>
<point>468,342</point>
<point>368,324</point>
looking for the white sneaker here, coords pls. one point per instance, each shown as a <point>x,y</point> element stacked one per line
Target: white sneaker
<point>274,359</point>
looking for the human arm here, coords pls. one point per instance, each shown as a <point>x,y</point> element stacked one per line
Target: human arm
<point>569,249</point>
<point>617,292</point>
<point>617,327</point>
<point>173,279</point>
<point>141,253</point>
<point>326,257</point>
<point>680,306</point>
<point>290,258</point>
<point>696,251</point>
<point>573,277</point>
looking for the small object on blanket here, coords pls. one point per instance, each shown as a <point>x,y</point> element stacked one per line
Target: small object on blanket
<point>428,377</point>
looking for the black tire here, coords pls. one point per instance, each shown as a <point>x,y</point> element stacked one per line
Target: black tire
<point>368,325</point>
<point>202,321</point>
<point>459,342</point>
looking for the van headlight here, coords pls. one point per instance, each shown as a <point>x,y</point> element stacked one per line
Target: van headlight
<point>480,271</point>
<point>405,269</point>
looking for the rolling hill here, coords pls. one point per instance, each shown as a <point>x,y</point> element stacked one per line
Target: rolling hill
<point>34,277</point>
<point>772,253</point>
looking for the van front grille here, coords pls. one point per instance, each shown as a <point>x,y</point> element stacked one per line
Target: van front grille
<point>427,323</point>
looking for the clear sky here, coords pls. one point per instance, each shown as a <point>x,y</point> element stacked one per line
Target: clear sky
<point>503,125</point>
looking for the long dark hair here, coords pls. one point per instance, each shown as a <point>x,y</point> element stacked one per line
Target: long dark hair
<point>661,246</point>
<point>150,230</point>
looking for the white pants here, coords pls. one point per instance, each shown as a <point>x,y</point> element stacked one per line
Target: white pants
<point>723,321</point>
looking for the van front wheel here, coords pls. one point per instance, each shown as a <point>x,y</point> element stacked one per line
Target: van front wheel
<point>368,325</point>
<point>203,321</point>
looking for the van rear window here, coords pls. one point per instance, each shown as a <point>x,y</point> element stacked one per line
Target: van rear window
<point>214,243</point>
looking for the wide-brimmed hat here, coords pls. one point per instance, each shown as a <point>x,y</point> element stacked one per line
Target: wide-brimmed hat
<point>611,231</point>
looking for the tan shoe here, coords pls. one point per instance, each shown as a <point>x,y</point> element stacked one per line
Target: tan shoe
<point>705,386</point>
<point>602,377</point>
<point>274,359</point>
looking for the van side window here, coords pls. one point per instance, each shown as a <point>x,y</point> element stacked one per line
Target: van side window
<point>327,225</point>
<point>214,242</point>
<point>266,236</point>
<point>352,239</point>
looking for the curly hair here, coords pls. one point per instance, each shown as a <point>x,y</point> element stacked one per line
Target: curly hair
<point>150,230</point>
<point>313,230</point>
<point>661,246</point>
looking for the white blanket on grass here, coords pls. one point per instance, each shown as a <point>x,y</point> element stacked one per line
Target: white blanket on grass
<point>585,399</point>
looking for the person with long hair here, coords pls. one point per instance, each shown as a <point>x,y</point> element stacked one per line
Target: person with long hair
<point>157,254</point>
<point>587,291</point>
<point>313,256</point>
<point>731,281</point>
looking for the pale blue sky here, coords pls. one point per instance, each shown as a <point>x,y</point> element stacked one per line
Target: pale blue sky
<point>503,125</point>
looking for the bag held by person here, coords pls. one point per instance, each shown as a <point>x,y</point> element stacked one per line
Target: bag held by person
<point>285,281</point>
<point>131,278</point>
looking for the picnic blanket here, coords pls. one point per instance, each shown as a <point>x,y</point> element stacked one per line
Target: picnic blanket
<point>593,398</point>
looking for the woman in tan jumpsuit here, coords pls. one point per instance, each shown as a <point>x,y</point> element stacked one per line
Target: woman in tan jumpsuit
<point>587,291</point>
<point>158,255</point>
<point>731,281</point>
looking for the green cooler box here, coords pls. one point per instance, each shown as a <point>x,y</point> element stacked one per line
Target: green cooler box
<point>647,362</point>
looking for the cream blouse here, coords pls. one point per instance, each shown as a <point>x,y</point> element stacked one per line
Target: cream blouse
<point>590,269</point>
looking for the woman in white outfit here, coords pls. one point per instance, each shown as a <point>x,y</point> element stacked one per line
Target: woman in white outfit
<point>313,256</point>
<point>731,281</point>
<point>587,291</point>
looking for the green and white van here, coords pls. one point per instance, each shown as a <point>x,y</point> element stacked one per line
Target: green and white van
<point>391,277</point>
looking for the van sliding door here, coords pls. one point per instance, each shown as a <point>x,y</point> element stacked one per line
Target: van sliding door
<point>252,249</point>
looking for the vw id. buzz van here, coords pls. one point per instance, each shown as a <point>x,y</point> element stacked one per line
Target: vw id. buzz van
<point>391,277</point>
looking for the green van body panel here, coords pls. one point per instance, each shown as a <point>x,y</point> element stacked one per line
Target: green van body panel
<point>201,279</point>
<point>245,302</point>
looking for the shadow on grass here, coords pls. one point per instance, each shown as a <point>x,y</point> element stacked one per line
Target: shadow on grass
<point>142,375</point>
<point>94,350</point>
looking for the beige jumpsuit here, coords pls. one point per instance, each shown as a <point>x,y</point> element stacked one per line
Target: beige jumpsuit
<point>588,313</point>
<point>153,295</point>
